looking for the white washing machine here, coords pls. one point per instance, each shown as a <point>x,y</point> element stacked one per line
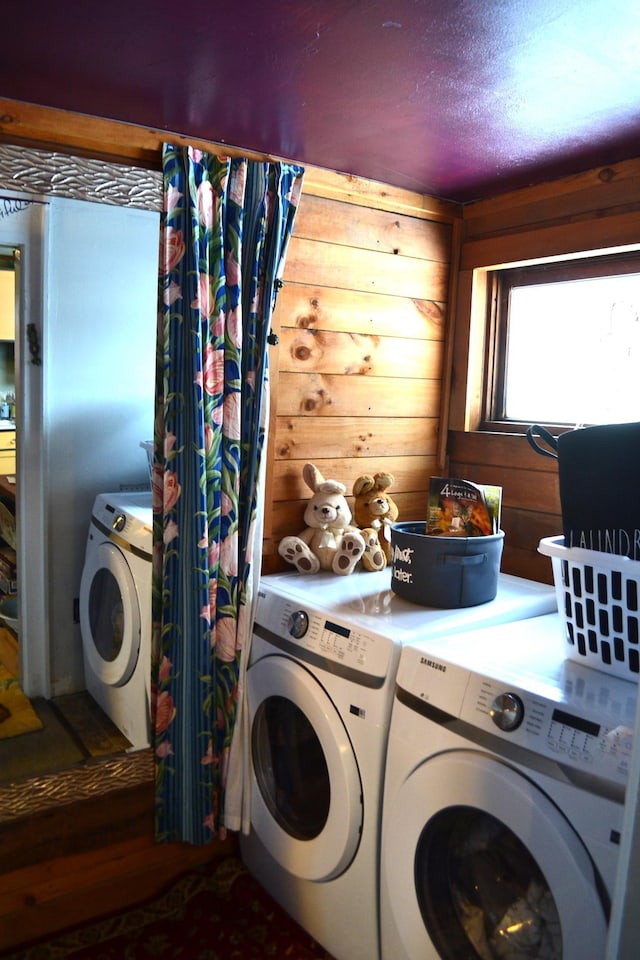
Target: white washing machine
<point>115,611</point>
<point>319,688</point>
<point>504,797</point>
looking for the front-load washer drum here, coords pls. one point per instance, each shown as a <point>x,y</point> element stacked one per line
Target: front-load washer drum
<point>109,615</point>
<point>479,863</point>
<point>306,801</point>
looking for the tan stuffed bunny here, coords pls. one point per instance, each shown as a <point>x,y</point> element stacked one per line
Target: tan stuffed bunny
<point>375,510</point>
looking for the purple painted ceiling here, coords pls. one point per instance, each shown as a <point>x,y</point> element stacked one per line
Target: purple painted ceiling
<point>461,99</point>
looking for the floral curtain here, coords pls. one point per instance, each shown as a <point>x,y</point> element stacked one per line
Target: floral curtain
<point>224,234</point>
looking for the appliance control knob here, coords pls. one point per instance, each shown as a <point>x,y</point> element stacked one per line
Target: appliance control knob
<point>119,522</point>
<point>298,624</point>
<point>507,711</point>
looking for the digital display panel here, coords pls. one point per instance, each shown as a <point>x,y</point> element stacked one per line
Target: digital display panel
<point>336,628</point>
<point>584,726</point>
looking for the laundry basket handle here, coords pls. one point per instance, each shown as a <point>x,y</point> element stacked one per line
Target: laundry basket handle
<point>549,439</point>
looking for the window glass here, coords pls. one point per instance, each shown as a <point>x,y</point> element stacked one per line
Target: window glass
<point>480,891</point>
<point>106,615</point>
<point>290,768</point>
<point>567,349</point>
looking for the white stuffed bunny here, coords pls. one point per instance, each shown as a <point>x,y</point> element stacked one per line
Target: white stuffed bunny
<point>329,541</point>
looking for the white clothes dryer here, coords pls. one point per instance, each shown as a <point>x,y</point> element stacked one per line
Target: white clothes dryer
<point>503,801</point>
<point>115,611</point>
<point>319,688</point>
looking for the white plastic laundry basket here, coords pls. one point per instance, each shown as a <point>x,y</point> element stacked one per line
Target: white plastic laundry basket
<point>148,447</point>
<point>598,600</point>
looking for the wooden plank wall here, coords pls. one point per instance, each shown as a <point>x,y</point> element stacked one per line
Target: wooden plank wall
<point>357,378</point>
<point>357,375</point>
<point>596,210</point>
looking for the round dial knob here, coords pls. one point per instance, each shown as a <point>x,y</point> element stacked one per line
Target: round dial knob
<point>507,711</point>
<point>119,522</point>
<point>298,624</point>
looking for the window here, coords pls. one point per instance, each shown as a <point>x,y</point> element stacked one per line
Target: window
<point>564,343</point>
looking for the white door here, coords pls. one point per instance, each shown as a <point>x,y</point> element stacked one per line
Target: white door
<point>306,801</point>
<point>109,614</point>
<point>479,863</point>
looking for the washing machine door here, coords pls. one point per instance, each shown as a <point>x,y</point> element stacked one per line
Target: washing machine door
<point>479,863</point>
<point>306,799</point>
<point>109,615</point>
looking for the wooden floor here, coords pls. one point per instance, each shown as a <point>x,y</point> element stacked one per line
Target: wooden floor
<point>52,895</point>
<point>75,730</point>
<point>77,861</point>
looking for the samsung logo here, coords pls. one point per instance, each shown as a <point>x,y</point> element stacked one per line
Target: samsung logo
<point>433,664</point>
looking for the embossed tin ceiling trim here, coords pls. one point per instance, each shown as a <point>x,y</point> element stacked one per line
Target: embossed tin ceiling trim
<point>79,178</point>
<point>24,798</point>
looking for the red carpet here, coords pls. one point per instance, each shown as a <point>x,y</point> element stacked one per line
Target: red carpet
<point>214,913</point>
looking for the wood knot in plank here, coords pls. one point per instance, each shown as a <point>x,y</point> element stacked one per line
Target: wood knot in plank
<point>360,369</point>
<point>315,402</point>
<point>301,352</point>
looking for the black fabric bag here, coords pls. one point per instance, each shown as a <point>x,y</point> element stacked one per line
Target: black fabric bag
<point>599,474</point>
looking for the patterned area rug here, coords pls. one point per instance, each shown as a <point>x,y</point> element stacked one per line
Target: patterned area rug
<point>16,713</point>
<point>214,913</point>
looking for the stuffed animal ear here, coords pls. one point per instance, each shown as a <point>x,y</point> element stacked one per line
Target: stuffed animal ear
<point>312,476</point>
<point>332,486</point>
<point>383,480</point>
<point>363,485</point>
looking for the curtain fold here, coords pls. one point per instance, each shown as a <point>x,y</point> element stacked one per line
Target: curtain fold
<point>224,234</point>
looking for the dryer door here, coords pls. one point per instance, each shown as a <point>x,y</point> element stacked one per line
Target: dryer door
<point>479,863</point>
<point>306,798</point>
<point>109,614</point>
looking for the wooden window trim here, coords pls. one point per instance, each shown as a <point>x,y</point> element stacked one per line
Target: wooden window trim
<point>499,284</point>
